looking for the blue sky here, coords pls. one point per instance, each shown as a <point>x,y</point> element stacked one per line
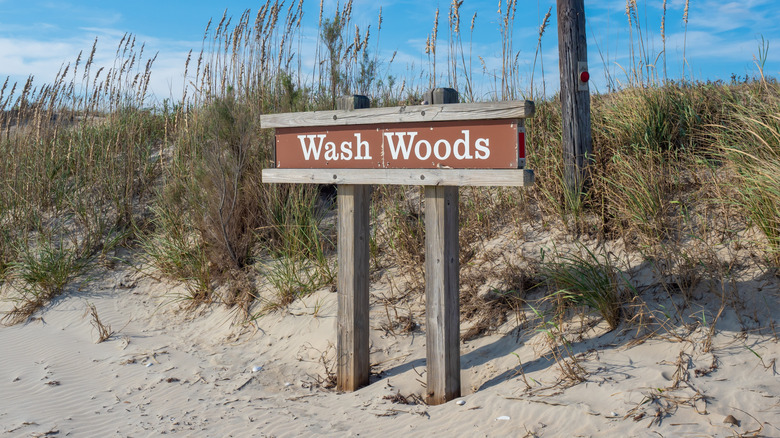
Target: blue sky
<point>722,38</point>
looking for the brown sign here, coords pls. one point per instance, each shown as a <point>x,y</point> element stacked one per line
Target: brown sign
<point>484,144</point>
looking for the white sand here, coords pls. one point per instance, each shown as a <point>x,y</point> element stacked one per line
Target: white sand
<point>163,373</point>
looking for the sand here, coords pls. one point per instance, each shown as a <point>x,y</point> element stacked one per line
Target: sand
<point>200,373</point>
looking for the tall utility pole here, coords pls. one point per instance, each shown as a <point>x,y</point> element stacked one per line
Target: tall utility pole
<point>575,96</point>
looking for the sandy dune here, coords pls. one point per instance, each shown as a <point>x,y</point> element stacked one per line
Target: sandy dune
<point>202,375</point>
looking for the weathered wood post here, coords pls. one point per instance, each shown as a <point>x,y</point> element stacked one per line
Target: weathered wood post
<point>575,95</point>
<point>442,287</point>
<point>353,366</point>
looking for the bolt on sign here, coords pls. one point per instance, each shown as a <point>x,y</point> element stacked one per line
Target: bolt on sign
<point>488,144</point>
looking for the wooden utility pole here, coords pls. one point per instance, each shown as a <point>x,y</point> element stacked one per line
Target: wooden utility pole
<point>352,344</point>
<point>575,95</point>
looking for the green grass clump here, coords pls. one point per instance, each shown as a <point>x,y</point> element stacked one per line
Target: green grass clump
<point>41,271</point>
<point>298,243</point>
<point>587,280</point>
<point>171,246</point>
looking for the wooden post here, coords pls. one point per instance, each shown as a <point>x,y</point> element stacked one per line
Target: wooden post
<point>353,364</point>
<point>441,95</point>
<point>442,268</point>
<point>575,95</point>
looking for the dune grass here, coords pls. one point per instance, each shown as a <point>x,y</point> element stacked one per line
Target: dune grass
<point>586,279</point>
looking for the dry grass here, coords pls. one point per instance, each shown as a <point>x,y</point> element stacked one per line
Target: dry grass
<point>104,331</point>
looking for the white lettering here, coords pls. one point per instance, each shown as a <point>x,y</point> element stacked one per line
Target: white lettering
<point>417,150</point>
<point>482,146</point>
<point>402,145</point>
<point>448,149</point>
<point>362,149</point>
<point>312,150</point>
<point>466,155</point>
<point>346,150</point>
<point>330,151</point>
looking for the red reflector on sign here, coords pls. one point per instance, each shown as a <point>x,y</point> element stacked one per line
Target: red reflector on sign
<point>521,144</point>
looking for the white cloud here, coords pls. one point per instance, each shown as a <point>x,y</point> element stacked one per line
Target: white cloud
<point>723,17</point>
<point>22,57</point>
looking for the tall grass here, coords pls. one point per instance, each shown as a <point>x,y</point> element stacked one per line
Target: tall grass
<point>639,187</point>
<point>79,160</point>
<point>749,145</point>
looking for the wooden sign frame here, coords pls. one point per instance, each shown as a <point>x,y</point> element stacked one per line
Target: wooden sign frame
<point>398,116</point>
<point>441,228</point>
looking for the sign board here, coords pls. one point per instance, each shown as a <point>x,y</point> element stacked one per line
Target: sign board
<point>486,144</point>
<point>464,144</point>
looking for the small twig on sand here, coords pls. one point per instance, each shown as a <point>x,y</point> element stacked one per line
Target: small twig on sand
<point>104,331</point>
<point>756,432</point>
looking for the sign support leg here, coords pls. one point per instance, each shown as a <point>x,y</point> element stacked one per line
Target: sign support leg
<point>353,364</point>
<point>442,267</point>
